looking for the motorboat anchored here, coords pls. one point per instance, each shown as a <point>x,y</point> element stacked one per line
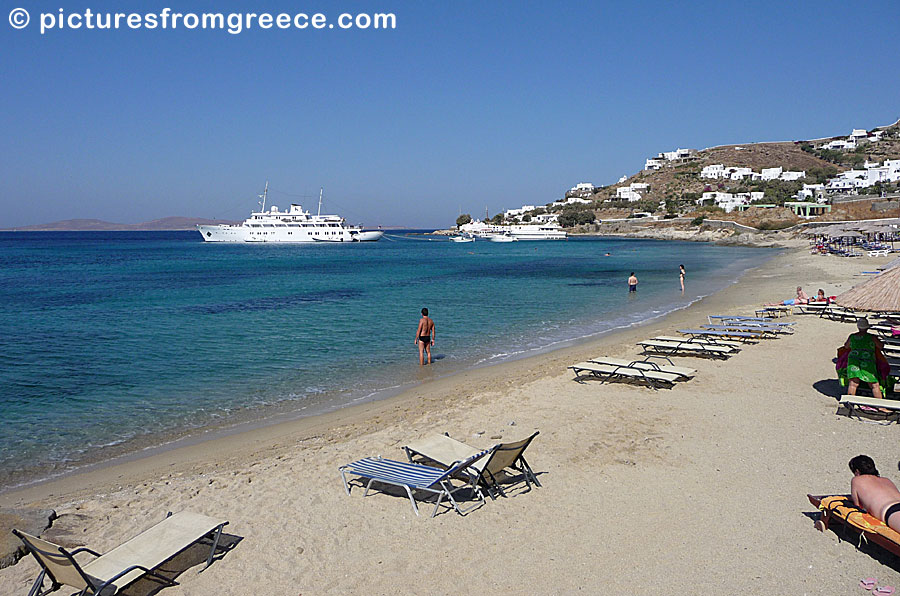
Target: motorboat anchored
<point>293,225</point>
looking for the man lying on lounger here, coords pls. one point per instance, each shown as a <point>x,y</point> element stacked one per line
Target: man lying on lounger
<point>879,496</point>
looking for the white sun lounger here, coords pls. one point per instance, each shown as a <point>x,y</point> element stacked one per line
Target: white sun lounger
<point>487,471</point>
<point>687,347</point>
<point>681,371</point>
<point>136,558</point>
<point>716,341</point>
<point>852,403</point>
<point>712,333</point>
<point>606,372</point>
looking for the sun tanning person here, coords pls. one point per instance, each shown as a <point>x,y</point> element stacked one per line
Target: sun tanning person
<point>879,496</point>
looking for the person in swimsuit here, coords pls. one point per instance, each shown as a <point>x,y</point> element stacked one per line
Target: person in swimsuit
<point>632,283</point>
<point>862,361</point>
<point>425,336</point>
<point>681,276</point>
<point>879,496</point>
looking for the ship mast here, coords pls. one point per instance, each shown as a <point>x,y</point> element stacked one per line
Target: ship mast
<point>264,195</point>
<point>319,211</point>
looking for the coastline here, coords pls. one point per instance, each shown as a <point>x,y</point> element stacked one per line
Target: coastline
<point>747,421</point>
<point>250,427</point>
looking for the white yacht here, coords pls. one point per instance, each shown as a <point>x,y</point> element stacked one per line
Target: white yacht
<point>548,231</point>
<point>545,231</point>
<point>293,225</point>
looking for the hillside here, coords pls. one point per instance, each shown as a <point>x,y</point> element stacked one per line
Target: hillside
<point>98,225</point>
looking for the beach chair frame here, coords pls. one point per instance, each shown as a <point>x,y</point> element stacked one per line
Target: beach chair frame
<point>654,347</point>
<point>49,560</point>
<point>650,377</point>
<point>430,480</point>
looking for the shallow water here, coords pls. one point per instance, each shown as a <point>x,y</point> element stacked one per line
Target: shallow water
<point>123,339</point>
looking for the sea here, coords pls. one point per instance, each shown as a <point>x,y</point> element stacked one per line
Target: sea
<point>117,342</point>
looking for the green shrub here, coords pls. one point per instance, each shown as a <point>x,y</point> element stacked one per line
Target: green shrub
<point>698,221</point>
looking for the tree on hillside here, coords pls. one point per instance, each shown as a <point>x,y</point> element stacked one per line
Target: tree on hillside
<point>497,219</point>
<point>463,219</point>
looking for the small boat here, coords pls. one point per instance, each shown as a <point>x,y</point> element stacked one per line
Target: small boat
<point>503,238</point>
<point>461,239</point>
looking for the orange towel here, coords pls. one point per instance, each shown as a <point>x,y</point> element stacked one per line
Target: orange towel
<point>843,508</point>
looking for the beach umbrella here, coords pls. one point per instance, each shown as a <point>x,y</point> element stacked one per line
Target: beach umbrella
<point>879,294</point>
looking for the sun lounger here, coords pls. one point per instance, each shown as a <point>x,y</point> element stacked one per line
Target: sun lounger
<point>488,471</point>
<point>136,558</point>
<point>716,341</point>
<point>842,510</point>
<point>811,309</point>
<point>685,347</point>
<point>414,477</point>
<point>711,333</point>
<point>747,320</point>
<point>681,371</point>
<point>853,402</point>
<point>606,372</point>
<point>774,311</point>
<point>760,332</point>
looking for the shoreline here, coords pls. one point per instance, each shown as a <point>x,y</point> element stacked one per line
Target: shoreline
<point>200,444</point>
<point>255,418</point>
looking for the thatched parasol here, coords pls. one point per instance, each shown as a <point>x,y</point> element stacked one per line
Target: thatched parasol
<point>847,234</point>
<point>879,294</point>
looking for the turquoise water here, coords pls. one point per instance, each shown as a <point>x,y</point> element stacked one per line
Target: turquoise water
<point>116,341</point>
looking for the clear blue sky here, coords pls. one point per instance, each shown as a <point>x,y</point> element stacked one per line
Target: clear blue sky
<point>465,105</point>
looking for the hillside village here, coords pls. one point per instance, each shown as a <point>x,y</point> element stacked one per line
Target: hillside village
<point>787,181</point>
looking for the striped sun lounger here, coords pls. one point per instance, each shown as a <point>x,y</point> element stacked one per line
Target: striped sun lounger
<point>607,372</point>
<point>413,477</point>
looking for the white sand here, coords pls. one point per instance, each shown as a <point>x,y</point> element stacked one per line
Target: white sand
<point>700,489</point>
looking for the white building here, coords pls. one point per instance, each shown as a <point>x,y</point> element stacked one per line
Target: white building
<point>740,173</point>
<point>790,176</point>
<point>725,200</point>
<point>810,191</point>
<point>859,133</point>
<point>510,213</point>
<point>582,187</point>
<point>714,171</point>
<point>653,163</point>
<point>771,173</point>
<point>840,145</point>
<point>632,192</point>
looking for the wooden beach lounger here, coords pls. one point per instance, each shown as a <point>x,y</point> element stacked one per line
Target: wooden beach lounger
<point>488,471</point>
<point>686,347</point>
<point>414,477</point>
<point>606,372</point>
<point>840,509</point>
<point>681,371</point>
<point>109,573</point>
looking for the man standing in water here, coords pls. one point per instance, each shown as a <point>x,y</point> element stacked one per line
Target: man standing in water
<point>632,283</point>
<point>425,336</point>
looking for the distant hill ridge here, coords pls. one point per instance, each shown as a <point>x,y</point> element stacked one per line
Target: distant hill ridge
<point>98,225</point>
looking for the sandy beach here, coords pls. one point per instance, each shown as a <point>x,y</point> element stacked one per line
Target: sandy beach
<point>700,489</point>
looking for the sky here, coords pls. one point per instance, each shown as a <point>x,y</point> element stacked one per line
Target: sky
<point>463,107</point>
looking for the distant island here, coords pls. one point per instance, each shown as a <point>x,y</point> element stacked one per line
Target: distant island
<point>166,224</point>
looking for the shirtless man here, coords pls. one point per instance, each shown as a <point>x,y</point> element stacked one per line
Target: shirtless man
<point>632,283</point>
<point>879,496</point>
<point>425,336</point>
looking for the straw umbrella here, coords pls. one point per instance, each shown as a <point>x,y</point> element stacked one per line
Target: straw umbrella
<point>879,294</point>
